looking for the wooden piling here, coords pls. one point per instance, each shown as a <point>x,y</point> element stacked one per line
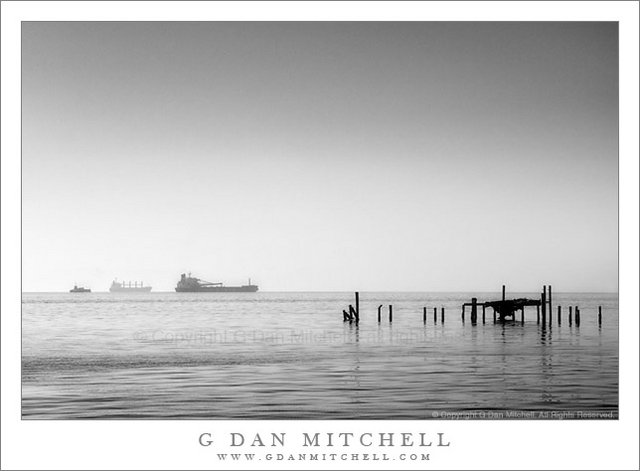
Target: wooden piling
<point>570,314</point>
<point>543,305</point>
<point>577,316</point>
<point>599,315</point>
<point>435,315</point>
<point>474,310</point>
<point>522,315</point>
<point>504,292</point>
<point>484,308</point>
<point>538,314</point>
<point>559,315</point>
<point>463,306</point>
<point>424,315</point>
<point>379,307</point>
<point>357,305</point>
<point>550,305</point>
<point>442,316</point>
<point>353,313</point>
<point>390,313</point>
<point>494,314</point>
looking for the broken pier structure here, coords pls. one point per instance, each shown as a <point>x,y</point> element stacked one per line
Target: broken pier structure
<point>504,308</point>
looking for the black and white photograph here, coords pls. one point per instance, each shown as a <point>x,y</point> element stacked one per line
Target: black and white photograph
<point>230,221</point>
<point>422,165</point>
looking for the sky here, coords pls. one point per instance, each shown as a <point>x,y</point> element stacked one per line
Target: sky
<point>395,156</point>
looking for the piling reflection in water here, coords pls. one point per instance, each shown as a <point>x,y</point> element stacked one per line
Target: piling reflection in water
<point>287,355</point>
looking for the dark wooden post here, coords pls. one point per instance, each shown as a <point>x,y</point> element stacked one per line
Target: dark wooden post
<point>390,313</point>
<point>463,306</point>
<point>357,305</point>
<point>424,315</point>
<point>504,292</point>
<point>435,315</point>
<point>353,313</point>
<point>442,315</point>
<point>543,303</point>
<point>559,315</point>
<point>379,307</point>
<point>599,315</point>
<point>550,305</point>
<point>522,314</point>
<point>538,314</point>
<point>570,314</point>
<point>474,310</point>
<point>484,308</point>
<point>494,314</point>
<point>577,316</point>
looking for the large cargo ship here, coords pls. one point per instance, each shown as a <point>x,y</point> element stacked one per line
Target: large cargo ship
<point>189,284</point>
<point>123,287</point>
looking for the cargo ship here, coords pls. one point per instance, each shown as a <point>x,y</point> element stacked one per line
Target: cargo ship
<point>79,289</point>
<point>127,288</point>
<point>189,284</point>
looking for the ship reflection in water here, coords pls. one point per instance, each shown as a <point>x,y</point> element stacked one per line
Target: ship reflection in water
<point>189,284</point>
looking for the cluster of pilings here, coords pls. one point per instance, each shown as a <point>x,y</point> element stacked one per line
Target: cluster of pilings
<point>354,313</point>
<point>424,314</point>
<point>435,315</point>
<point>574,316</point>
<point>506,308</point>
<point>502,310</point>
<point>544,308</point>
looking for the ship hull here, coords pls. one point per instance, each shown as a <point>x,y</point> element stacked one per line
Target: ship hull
<point>218,289</point>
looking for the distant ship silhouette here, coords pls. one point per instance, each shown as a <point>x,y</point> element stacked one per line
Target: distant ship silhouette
<point>79,289</point>
<point>189,284</point>
<point>123,288</point>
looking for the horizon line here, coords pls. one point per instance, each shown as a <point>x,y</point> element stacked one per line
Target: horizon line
<point>349,291</point>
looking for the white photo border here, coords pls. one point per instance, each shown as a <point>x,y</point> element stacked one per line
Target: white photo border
<point>159,444</point>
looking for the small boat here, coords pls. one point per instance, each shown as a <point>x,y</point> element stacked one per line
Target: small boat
<point>79,289</point>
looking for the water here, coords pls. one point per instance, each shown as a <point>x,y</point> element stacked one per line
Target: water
<point>290,355</point>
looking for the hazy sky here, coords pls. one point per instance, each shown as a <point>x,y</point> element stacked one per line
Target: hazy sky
<point>321,156</point>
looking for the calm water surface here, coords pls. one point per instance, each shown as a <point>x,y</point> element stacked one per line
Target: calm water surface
<point>289,355</point>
